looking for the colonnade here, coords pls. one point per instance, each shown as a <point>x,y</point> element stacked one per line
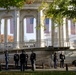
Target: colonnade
<point>59,35</point>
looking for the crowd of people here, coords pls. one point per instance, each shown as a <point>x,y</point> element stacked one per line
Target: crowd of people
<point>23,60</point>
<point>23,57</point>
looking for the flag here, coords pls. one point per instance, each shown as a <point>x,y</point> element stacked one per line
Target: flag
<point>72,28</point>
<point>46,25</point>
<point>11,26</point>
<point>29,25</point>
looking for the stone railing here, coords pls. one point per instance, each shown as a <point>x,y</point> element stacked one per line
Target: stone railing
<point>12,45</point>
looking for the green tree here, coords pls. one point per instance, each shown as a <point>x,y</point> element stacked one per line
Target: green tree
<point>11,3</point>
<point>58,9</point>
<point>14,3</point>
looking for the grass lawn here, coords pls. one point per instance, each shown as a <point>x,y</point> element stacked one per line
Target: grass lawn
<point>37,73</point>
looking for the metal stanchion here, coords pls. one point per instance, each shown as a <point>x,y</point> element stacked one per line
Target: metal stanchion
<point>0,67</point>
<point>66,67</point>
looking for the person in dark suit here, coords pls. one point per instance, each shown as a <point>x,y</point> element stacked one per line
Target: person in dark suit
<point>55,60</point>
<point>62,58</point>
<point>16,60</point>
<point>26,60</point>
<point>6,59</point>
<point>33,59</point>
<point>22,61</point>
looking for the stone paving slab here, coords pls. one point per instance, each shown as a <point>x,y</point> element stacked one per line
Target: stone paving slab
<point>51,69</point>
<point>58,69</point>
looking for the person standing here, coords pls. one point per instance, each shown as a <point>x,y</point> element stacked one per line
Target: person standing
<point>16,60</point>
<point>33,59</point>
<point>62,58</point>
<point>22,61</point>
<point>55,60</point>
<point>6,59</point>
<point>26,60</point>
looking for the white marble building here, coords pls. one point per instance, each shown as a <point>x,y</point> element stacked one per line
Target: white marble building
<point>59,36</point>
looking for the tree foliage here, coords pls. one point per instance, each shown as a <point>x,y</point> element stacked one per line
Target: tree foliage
<point>14,3</point>
<point>11,3</point>
<point>59,9</point>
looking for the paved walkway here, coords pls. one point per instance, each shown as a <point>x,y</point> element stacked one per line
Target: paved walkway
<point>51,69</point>
<point>58,69</point>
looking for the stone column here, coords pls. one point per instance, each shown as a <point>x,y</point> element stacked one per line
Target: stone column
<point>21,35</point>
<point>75,28</point>
<point>59,40</point>
<point>61,36</point>
<point>40,31</point>
<point>52,31</point>
<point>69,26</point>
<point>0,33</point>
<point>5,33</point>
<point>72,34</point>
<point>66,32</point>
<point>18,27</point>
<point>57,35</point>
<point>16,24</point>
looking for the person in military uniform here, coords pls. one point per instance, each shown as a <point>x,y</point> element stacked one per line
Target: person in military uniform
<point>26,60</point>
<point>33,59</point>
<point>22,61</point>
<point>16,60</point>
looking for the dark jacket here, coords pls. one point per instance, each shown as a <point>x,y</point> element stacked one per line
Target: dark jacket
<point>55,58</point>
<point>16,57</point>
<point>33,56</point>
<point>22,58</point>
<point>62,57</point>
<point>26,57</point>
